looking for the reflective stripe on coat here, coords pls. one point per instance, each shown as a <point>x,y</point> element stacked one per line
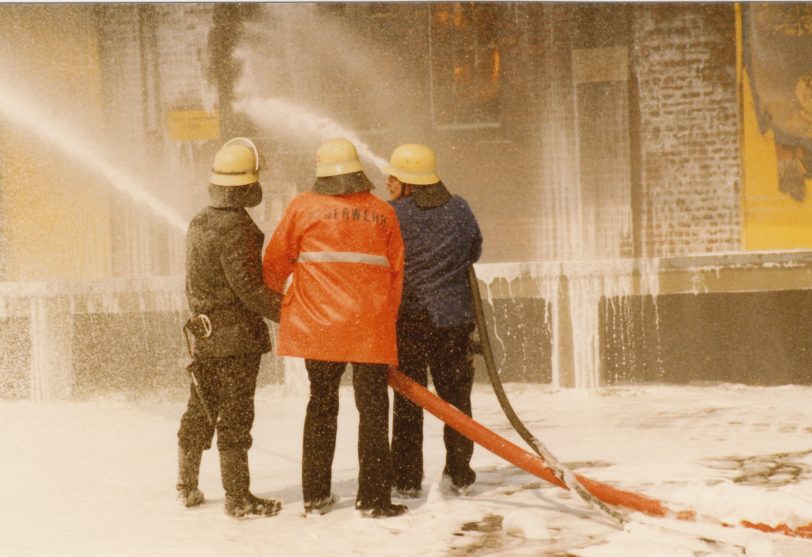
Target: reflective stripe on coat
<point>345,253</point>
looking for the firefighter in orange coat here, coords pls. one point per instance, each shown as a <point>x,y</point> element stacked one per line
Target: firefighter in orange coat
<point>344,249</point>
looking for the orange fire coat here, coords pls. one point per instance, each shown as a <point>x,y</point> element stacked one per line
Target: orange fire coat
<point>345,253</point>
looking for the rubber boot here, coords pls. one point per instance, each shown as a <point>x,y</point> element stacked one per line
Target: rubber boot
<point>188,470</point>
<point>384,510</point>
<point>240,503</point>
<point>321,506</point>
<point>460,483</point>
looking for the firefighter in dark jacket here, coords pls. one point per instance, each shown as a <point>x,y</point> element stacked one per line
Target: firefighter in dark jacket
<point>436,317</point>
<point>228,300</point>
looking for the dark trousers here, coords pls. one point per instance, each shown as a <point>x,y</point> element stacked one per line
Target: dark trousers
<point>228,386</point>
<point>445,351</point>
<point>321,424</point>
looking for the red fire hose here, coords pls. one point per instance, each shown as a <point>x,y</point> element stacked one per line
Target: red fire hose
<point>534,465</point>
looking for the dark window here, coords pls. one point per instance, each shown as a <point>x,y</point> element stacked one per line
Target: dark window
<point>465,64</point>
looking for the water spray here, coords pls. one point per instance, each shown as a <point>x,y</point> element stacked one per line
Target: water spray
<point>21,112</point>
<point>270,112</point>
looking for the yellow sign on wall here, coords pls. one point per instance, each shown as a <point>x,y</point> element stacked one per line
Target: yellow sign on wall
<point>193,125</point>
<point>776,194</point>
<point>772,219</point>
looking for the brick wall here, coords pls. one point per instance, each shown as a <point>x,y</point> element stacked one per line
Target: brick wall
<point>684,58</point>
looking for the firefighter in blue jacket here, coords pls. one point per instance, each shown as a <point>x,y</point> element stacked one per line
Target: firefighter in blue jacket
<point>436,317</point>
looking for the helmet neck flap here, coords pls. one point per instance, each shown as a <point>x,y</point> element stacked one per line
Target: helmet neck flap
<point>235,196</point>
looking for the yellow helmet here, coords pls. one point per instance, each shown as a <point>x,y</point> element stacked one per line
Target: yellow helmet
<point>336,157</point>
<point>236,164</point>
<point>413,164</point>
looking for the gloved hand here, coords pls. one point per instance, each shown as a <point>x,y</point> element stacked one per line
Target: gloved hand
<point>475,346</point>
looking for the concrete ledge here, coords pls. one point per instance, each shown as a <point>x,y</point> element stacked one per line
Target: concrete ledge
<point>104,296</point>
<point>724,272</point>
<point>575,324</point>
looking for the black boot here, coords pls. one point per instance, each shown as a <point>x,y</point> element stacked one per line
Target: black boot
<point>460,483</point>
<point>240,503</point>
<point>188,470</point>
<point>321,506</point>
<point>383,510</point>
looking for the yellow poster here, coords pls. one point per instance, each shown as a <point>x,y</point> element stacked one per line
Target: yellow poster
<point>776,99</point>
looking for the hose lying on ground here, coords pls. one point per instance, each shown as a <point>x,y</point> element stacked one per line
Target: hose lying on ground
<point>536,466</point>
<point>564,474</point>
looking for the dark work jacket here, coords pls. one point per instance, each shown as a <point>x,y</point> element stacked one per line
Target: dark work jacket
<point>224,281</point>
<point>440,244</point>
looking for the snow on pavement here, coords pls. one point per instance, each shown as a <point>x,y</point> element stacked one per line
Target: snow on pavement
<point>96,478</point>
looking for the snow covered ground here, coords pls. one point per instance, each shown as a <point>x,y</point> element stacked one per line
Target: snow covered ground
<point>96,478</point>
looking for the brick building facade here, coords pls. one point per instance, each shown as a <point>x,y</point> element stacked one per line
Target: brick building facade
<point>559,163</point>
<point>578,133</point>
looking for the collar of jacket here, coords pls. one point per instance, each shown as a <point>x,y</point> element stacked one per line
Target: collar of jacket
<point>431,196</point>
<point>343,184</point>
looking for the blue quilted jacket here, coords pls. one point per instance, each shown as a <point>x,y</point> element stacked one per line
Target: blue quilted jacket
<point>440,244</point>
